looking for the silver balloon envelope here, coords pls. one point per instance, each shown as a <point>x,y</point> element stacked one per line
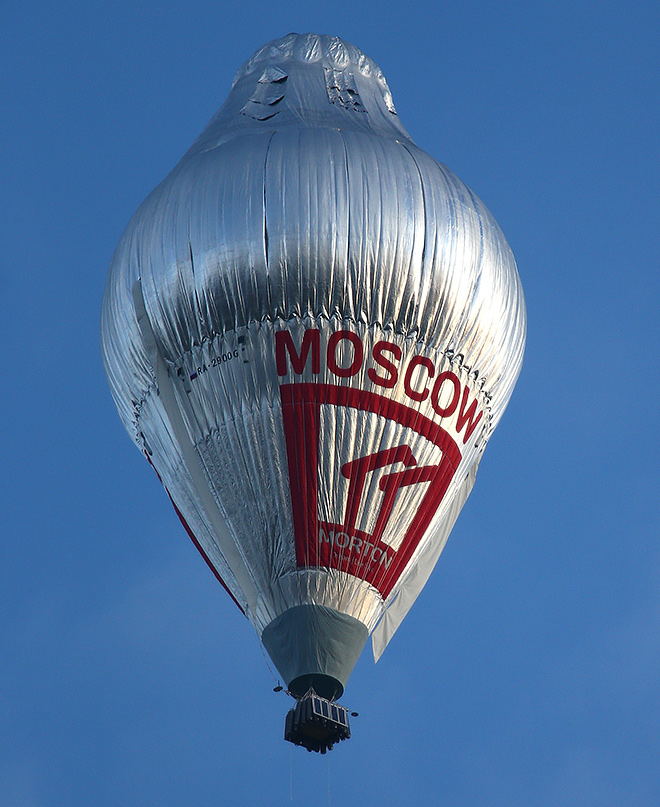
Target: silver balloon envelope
<point>311,329</point>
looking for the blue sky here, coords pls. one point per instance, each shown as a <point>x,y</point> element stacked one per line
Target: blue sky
<point>527,672</point>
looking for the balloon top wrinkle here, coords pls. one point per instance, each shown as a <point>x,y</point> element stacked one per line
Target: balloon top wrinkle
<point>311,328</point>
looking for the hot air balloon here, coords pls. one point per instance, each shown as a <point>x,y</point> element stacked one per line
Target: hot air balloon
<point>311,329</point>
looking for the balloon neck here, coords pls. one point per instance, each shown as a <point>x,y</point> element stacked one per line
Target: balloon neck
<point>315,647</point>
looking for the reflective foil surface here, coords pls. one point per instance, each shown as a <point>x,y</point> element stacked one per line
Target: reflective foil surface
<point>311,329</point>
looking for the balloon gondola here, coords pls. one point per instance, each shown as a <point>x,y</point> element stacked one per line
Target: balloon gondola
<point>311,329</point>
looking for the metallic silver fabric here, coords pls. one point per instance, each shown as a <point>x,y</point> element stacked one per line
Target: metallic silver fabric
<point>307,290</point>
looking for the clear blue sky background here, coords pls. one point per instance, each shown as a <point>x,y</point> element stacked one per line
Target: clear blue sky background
<point>528,671</point>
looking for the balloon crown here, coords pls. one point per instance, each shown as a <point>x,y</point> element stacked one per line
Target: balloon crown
<point>331,51</point>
